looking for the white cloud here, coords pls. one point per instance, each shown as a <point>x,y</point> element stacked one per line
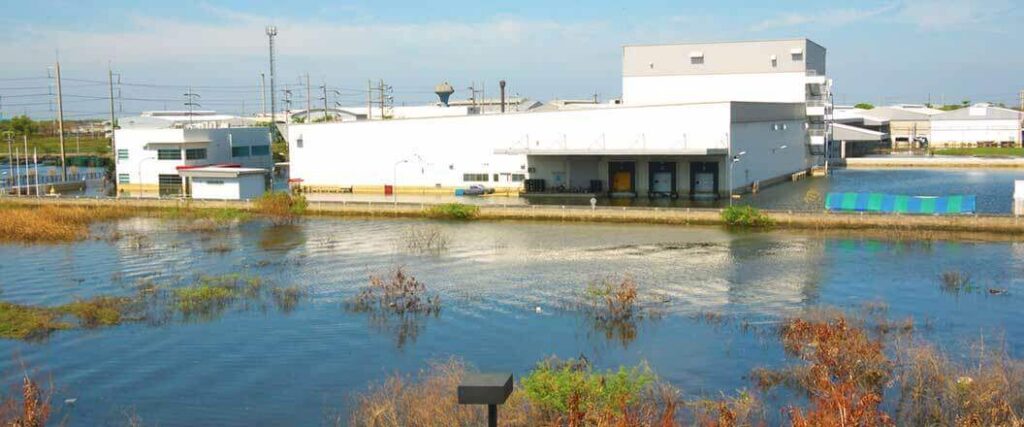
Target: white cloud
<point>832,18</point>
<point>951,15</point>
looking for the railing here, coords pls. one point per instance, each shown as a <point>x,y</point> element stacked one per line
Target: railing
<point>30,179</point>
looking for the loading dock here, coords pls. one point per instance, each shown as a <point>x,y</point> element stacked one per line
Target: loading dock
<point>662,179</point>
<point>703,180</point>
<point>622,179</point>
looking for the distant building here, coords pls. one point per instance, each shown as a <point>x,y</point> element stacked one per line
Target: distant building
<point>979,124</point>
<point>152,150</point>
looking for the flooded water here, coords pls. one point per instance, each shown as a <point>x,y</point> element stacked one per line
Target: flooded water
<point>269,367</point>
<point>993,188</point>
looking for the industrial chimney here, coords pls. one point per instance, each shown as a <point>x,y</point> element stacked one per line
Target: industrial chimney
<point>444,91</point>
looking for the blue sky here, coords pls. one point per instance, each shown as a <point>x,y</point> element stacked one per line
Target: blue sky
<point>878,51</point>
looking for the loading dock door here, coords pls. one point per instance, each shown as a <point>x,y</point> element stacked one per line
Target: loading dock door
<point>662,178</point>
<point>703,179</point>
<point>621,177</point>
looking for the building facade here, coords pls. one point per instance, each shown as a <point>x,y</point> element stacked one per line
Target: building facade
<point>784,71</point>
<point>977,125</point>
<point>747,115</point>
<point>149,160</point>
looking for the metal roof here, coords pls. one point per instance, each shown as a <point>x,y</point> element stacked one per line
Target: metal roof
<point>979,112</point>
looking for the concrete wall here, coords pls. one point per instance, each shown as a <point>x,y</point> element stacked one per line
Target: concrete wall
<point>945,132</point>
<point>439,151</point>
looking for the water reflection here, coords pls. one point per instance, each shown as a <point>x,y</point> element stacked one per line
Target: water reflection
<point>282,238</point>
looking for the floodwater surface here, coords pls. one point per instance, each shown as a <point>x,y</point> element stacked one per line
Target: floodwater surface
<point>507,291</point>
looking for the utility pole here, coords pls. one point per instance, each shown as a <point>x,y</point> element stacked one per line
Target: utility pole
<point>1020,122</point>
<point>271,33</point>
<point>369,100</point>
<point>263,93</point>
<point>287,103</point>
<point>323,87</point>
<point>309,102</point>
<point>60,127</point>
<point>113,120</point>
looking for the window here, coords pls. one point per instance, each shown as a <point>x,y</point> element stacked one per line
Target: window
<point>261,150</point>
<point>123,178</point>
<point>495,177</point>
<point>122,154</point>
<point>239,151</point>
<point>215,182</point>
<point>696,60</point>
<point>195,154</point>
<point>518,177</point>
<point>774,60</point>
<point>474,177</point>
<point>168,154</point>
<point>170,185</point>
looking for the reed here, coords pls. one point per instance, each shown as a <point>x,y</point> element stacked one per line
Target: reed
<point>54,224</point>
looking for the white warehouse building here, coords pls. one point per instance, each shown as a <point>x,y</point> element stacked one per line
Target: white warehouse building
<point>151,155</point>
<point>674,134</point>
<point>979,124</point>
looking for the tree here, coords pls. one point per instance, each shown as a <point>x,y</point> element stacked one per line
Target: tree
<point>864,106</point>
<point>22,125</point>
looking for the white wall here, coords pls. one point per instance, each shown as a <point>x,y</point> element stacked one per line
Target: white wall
<point>143,166</point>
<point>243,187</point>
<point>755,87</point>
<point>972,131</point>
<point>441,150</point>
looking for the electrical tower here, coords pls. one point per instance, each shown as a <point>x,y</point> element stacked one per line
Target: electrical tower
<point>191,103</point>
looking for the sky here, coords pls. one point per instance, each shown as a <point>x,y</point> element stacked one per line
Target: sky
<point>880,52</point>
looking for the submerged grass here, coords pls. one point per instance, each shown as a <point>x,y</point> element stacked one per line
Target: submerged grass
<point>26,322</point>
<point>205,298</point>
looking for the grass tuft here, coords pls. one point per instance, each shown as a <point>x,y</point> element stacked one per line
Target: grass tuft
<point>746,216</point>
<point>281,207</point>
<point>27,323</point>
<point>456,211</point>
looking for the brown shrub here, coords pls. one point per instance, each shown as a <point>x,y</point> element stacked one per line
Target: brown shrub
<point>847,374</point>
<point>936,391</point>
<point>31,410</point>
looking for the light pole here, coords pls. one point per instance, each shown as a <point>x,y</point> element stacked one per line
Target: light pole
<point>394,183</point>
<point>9,136</point>
<point>732,162</point>
<point>139,168</point>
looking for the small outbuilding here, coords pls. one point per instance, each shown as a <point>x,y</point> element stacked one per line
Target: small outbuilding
<point>224,183</point>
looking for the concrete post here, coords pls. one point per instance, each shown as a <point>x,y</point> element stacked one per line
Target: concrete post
<point>1018,198</point>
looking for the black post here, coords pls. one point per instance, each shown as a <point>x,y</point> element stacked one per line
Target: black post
<point>492,415</point>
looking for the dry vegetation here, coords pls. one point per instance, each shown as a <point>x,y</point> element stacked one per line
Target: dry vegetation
<point>396,303</point>
<point>28,406</point>
<point>425,239</point>
<point>614,307</point>
<point>54,224</point>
